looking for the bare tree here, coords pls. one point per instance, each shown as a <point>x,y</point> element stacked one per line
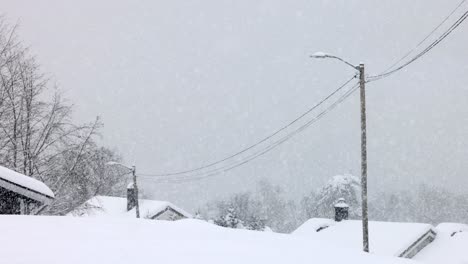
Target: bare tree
<point>37,135</point>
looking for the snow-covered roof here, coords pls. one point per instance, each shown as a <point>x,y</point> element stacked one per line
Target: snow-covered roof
<point>123,241</point>
<point>24,185</point>
<point>450,245</point>
<point>386,238</point>
<point>110,206</point>
<point>313,225</point>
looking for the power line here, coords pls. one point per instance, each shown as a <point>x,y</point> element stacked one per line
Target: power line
<point>422,53</point>
<point>427,36</point>
<point>261,152</point>
<point>267,149</point>
<point>386,73</point>
<point>259,142</point>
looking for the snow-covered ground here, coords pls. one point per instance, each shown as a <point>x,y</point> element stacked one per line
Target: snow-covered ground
<point>449,247</point>
<point>49,240</point>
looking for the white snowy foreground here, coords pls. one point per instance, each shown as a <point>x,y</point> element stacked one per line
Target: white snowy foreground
<point>49,240</point>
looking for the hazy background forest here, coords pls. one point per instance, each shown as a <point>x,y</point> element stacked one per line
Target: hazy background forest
<point>269,207</point>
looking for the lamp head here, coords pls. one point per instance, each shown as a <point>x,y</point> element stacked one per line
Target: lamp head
<point>319,55</point>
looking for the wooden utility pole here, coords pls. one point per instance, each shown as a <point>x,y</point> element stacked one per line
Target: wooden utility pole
<point>362,84</point>
<point>365,218</point>
<point>135,188</point>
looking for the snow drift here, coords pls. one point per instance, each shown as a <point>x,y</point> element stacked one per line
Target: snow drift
<point>48,240</point>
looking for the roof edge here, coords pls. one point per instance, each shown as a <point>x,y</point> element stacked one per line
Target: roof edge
<point>33,194</point>
<point>419,244</point>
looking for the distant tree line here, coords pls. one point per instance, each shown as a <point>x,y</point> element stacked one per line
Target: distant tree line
<point>423,203</point>
<point>38,136</point>
<point>267,207</point>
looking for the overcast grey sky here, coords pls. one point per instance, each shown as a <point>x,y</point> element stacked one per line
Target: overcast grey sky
<point>179,84</point>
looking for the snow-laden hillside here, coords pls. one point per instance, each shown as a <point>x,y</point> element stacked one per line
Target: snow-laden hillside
<point>49,240</point>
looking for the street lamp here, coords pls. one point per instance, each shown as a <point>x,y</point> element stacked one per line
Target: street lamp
<point>135,186</point>
<point>362,83</point>
<point>323,55</point>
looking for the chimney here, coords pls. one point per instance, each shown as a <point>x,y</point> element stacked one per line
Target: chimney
<point>131,201</point>
<point>341,210</point>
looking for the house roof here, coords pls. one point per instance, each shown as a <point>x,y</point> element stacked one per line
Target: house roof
<point>24,185</point>
<point>386,238</point>
<point>313,225</point>
<point>450,245</point>
<point>110,206</point>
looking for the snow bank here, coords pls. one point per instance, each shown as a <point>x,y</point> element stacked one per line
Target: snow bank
<point>25,181</point>
<point>121,241</point>
<point>449,247</point>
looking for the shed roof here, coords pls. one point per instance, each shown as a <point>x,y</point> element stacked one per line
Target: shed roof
<point>386,238</point>
<point>110,206</point>
<point>25,185</point>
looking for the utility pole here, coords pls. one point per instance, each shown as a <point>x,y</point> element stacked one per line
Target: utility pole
<point>365,217</point>
<point>135,189</point>
<point>362,84</point>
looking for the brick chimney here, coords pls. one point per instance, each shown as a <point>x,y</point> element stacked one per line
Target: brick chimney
<point>341,210</point>
<point>131,199</point>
